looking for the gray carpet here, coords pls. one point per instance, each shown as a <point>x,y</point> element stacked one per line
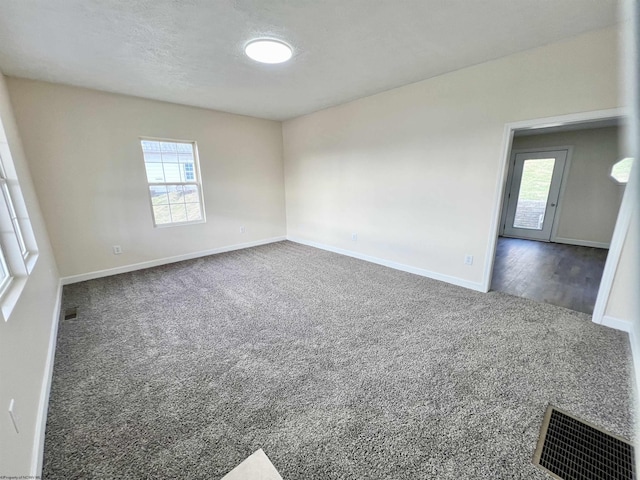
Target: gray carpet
<point>336,368</point>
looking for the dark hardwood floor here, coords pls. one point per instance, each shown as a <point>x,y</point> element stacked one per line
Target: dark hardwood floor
<point>564,275</point>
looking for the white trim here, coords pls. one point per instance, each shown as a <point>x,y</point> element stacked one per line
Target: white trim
<point>580,243</point>
<point>635,353</point>
<point>509,128</point>
<point>617,242</point>
<point>163,261</point>
<point>388,263</point>
<point>569,119</point>
<point>617,323</point>
<point>43,407</point>
<point>563,188</point>
<point>498,199</point>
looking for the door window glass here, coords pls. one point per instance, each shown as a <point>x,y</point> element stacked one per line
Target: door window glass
<point>534,193</point>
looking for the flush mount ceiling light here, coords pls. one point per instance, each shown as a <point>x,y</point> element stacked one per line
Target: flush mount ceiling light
<point>268,51</point>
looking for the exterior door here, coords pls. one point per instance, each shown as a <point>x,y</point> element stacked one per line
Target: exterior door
<point>533,195</point>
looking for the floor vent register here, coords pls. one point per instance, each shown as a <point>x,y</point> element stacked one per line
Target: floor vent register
<point>569,448</point>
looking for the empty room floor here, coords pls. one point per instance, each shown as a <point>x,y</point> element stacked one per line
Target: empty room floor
<point>336,368</point>
<point>564,275</point>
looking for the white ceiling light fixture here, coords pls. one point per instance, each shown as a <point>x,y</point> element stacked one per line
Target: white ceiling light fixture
<point>268,51</point>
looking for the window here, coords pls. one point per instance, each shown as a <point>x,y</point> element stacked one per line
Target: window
<point>5,275</point>
<point>12,213</point>
<point>18,250</point>
<point>174,182</point>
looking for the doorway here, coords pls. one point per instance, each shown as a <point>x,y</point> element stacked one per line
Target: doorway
<point>547,253</point>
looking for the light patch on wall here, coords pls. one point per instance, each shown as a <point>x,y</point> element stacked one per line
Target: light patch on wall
<point>621,170</point>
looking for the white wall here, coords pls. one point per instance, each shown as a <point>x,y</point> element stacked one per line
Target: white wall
<point>589,207</point>
<point>24,338</point>
<point>414,170</point>
<point>84,152</point>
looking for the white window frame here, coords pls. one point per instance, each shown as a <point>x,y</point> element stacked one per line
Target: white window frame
<point>18,248</point>
<point>6,280</point>
<point>197,182</point>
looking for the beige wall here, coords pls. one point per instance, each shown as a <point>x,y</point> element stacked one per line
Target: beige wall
<point>24,338</point>
<point>589,207</point>
<point>414,170</point>
<point>84,152</point>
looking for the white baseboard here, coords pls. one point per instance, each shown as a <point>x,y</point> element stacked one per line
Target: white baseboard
<point>388,263</point>
<point>635,355</point>
<point>43,407</point>
<point>164,261</point>
<point>580,243</point>
<point>616,323</point>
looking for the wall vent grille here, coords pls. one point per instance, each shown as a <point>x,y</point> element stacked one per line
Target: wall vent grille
<point>71,313</point>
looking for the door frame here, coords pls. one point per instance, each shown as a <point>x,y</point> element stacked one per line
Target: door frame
<point>624,215</point>
<point>563,184</point>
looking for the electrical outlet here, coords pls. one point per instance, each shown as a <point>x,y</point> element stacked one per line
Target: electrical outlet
<point>12,414</point>
<point>354,237</point>
<point>468,259</point>
<point>117,249</point>
<point>242,229</point>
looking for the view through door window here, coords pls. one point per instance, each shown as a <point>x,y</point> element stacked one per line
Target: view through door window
<point>534,192</point>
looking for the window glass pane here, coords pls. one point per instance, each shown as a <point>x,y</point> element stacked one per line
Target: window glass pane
<point>175,193</point>
<point>3,272</point>
<point>150,146</point>
<point>14,218</point>
<point>191,194</point>
<point>534,193</point>
<point>169,157</point>
<point>159,195</point>
<point>185,148</point>
<point>178,212</point>
<point>162,214</point>
<point>185,158</point>
<point>152,157</point>
<point>168,147</point>
<point>155,172</point>
<point>172,172</point>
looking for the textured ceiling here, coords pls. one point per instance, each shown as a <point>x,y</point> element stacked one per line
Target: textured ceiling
<point>191,51</point>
